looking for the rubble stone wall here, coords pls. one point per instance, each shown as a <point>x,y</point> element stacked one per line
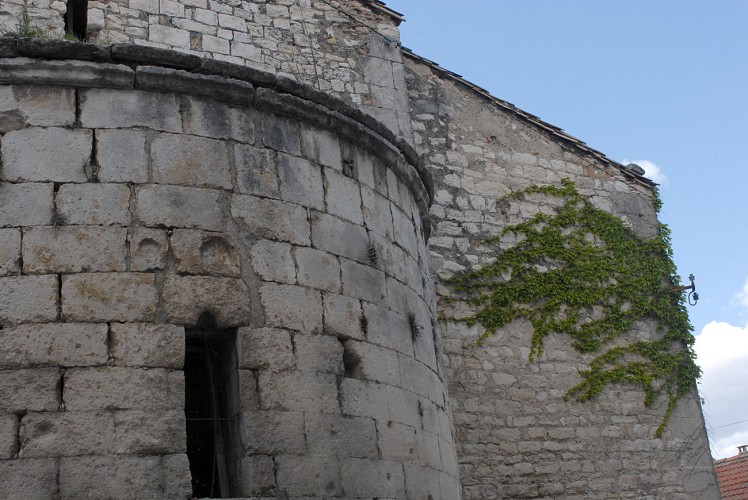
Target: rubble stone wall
<point>134,198</point>
<point>516,435</point>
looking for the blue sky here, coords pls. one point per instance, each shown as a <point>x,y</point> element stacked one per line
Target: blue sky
<point>664,82</point>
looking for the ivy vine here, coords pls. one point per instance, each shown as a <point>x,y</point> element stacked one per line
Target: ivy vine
<point>581,271</point>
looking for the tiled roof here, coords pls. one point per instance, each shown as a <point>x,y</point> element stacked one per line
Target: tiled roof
<point>732,475</point>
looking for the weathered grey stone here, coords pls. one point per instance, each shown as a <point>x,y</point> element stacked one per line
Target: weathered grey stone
<point>179,206</point>
<point>153,55</point>
<point>281,135</point>
<point>319,353</point>
<point>148,248</point>
<point>343,197</point>
<point>200,252</point>
<point>94,204</point>
<point>370,362</point>
<point>342,316</point>
<point>28,204</point>
<point>298,391</point>
<point>334,435</point>
<point>321,147</point>
<point>273,261</point>
<point>64,434</point>
<point>10,251</point>
<point>177,478</point>
<point>211,118</point>
<point>363,398</point>
<point>398,442</point>
<point>26,479</point>
<point>256,172</point>
<point>309,476</point>
<point>160,79</point>
<point>74,249</point>
<point>187,297</point>
<point>372,478</point>
<point>59,344</point>
<point>265,348</point>
<point>46,154</point>
<point>147,432</point>
<point>376,212</point>
<point>422,482</point>
<point>272,219</point>
<point>8,433</point>
<point>75,73</point>
<point>190,161</point>
<point>300,182</point>
<point>287,436</point>
<point>29,390</point>
<point>363,282</point>
<point>405,234</point>
<point>109,297</point>
<point>404,406</point>
<point>147,345</point>
<point>28,299</point>
<point>249,399</point>
<point>62,49</point>
<point>294,307</point>
<point>317,269</point>
<point>388,329</point>
<point>340,237</point>
<point>25,105</point>
<point>106,108</point>
<point>111,476</point>
<point>258,475</point>
<point>121,156</point>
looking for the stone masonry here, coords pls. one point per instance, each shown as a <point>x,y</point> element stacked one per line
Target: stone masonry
<point>287,171</point>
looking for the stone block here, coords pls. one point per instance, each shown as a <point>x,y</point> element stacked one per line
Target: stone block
<point>404,407</point>
<point>178,206</point>
<point>281,135</point>
<point>370,362</point>
<point>364,398</point>
<point>343,197</point>
<point>201,252</point>
<point>215,119</point>
<point>36,105</point>
<point>46,154</point>
<point>74,249</point>
<point>177,478</point>
<point>190,161</point>
<point>388,329</point>
<point>274,432</point>
<point>10,251</point>
<point>363,282</point>
<point>64,434</point>
<point>147,432</point>
<point>300,182</point>
<point>27,479</point>
<point>147,345</point>
<point>265,348</point>
<point>398,442</point>
<point>372,478</point>
<point>29,390</point>
<point>335,435</point>
<point>256,172</point>
<point>340,237</point>
<point>298,391</point>
<point>258,475</point>
<point>121,156</point>
<point>94,204</point>
<point>117,388</point>
<point>105,108</point>
<point>28,204</point>
<point>318,353</point>
<point>321,147</point>
<point>271,219</point>
<point>187,297</point>
<point>428,447</point>
<point>122,297</point>
<point>342,316</point>
<point>450,486</point>
<point>317,269</point>
<point>8,433</point>
<point>273,261</point>
<point>248,398</point>
<point>173,37</point>
<point>449,457</point>
<point>28,299</point>
<point>308,476</point>
<point>69,72</point>
<point>111,476</point>
<point>55,344</point>
<point>405,235</point>
<point>148,248</point>
<point>294,307</point>
<point>423,482</point>
<point>376,212</point>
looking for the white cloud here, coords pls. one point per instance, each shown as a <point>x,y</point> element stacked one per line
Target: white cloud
<point>651,170</point>
<point>722,353</point>
<point>742,296</point>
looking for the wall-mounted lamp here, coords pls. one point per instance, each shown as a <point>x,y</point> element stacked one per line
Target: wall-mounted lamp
<point>693,297</point>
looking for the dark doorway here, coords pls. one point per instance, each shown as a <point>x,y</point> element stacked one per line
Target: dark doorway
<point>212,410</point>
<point>76,18</point>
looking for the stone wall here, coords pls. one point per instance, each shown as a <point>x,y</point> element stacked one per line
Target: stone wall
<point>133,199</point>
<point>516,435</point>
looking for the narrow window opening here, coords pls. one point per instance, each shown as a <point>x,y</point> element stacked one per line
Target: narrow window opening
<point>212,410</point>
<point>76,18</point>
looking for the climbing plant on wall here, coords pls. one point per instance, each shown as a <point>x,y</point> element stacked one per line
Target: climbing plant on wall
<point>580,271</point>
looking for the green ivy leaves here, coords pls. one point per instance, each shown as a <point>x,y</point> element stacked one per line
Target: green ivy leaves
<point>581,271</point>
